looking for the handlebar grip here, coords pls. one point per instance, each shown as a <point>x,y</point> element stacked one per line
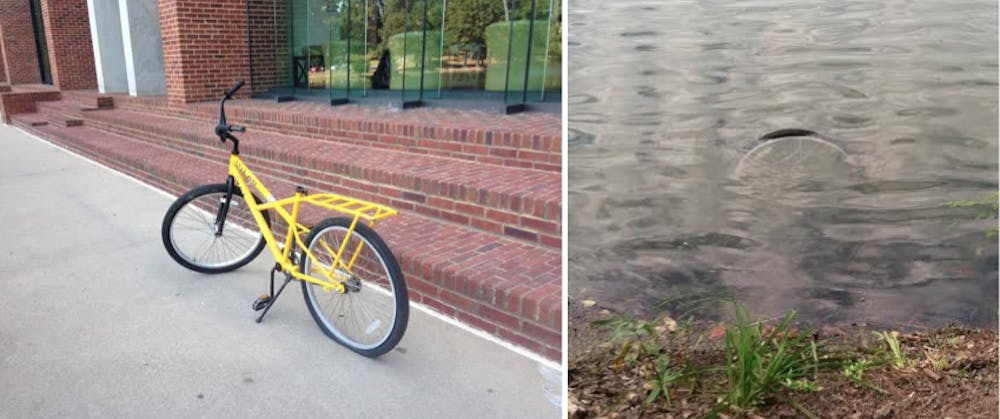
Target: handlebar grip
<point>237,128</point>
<point>235,88</point>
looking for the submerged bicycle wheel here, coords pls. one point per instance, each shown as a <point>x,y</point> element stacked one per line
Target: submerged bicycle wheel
<point>370,318</point>
<point>190,231</point>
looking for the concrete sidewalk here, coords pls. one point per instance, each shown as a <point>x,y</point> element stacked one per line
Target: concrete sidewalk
<point>99,322</point>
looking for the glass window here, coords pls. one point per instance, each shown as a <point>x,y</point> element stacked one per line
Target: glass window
<point>407,51</point>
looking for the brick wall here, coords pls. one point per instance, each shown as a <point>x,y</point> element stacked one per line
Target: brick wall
<point>205,48</point>
<point>71,53</point>
<point>17,43</point>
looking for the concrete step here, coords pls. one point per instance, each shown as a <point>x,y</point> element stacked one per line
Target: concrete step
<point>517,203</point>
<point>505,287</point>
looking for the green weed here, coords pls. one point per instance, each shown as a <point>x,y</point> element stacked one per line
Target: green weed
<point>855,370</point>
<point>634,338</point>
<point>665,377</point>
<point>988,209</point>
<point>802,384</point>
<point>758,365</point>
<point>895,353</point>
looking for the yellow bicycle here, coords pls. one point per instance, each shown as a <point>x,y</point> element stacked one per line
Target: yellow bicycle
<point>351,282</point>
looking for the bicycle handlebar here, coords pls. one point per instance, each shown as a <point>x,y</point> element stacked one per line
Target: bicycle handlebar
<point>236,88</point>
<point>223,129</point>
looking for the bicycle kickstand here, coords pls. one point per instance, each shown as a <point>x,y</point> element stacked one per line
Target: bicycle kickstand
<point>265,302</point>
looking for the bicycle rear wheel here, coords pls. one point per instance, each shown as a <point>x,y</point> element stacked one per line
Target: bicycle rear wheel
<point>190,230</point>
<point>371,317</point>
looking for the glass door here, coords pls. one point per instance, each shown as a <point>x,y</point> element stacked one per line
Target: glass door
<point>334,44</point>
<point>314,55</point>
<point>526,43</point>
<point>270,49</point>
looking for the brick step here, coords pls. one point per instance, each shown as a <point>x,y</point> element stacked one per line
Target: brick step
<point>86,100</point>
<point>75,101</point>
<point>89,99</point>
<point>505,287</point>
<point>529,140</point>
<point>23,99</point>
<point>522,204</point>
<point>156,104</point>
<point>62,112</point>
<point>32,119</point>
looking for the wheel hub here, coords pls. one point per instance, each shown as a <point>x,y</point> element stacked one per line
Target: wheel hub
<point>353,284</point>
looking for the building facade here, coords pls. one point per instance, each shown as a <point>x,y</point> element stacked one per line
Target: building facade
<point>452,53</point>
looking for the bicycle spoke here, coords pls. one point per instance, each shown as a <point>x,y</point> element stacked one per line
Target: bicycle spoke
<point>193,232</point>
<point>362,317</point>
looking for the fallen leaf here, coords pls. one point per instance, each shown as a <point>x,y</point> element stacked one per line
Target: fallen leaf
<point>717,332</point>
<point>588,303</point>
<point>670,324</point>
<point>831,331</point>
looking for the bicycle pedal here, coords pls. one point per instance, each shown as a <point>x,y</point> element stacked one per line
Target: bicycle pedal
<point>261,302</point>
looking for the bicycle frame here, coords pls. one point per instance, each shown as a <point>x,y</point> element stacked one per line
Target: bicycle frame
<point>339,269</point>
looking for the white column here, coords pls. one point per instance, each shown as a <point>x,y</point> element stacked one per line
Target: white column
<point>140,26</point>
<point>106,35</point>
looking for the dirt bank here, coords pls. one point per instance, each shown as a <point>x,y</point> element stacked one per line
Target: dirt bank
<point>946,372</point>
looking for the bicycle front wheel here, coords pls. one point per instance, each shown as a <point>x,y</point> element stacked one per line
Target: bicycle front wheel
<point>370,317</point>
<point>191,230</point>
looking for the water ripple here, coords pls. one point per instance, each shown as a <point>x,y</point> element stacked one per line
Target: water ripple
<point>668,98</point>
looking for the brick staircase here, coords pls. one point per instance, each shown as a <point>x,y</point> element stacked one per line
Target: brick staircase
<point>480,195</point>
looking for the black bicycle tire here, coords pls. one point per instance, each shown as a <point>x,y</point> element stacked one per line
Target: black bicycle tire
<point>400,295</point>
<point>186,198</point>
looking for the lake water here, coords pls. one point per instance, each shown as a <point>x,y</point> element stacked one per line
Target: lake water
<point>673,199</point>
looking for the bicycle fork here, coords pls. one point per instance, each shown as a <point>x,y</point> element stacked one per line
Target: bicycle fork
<point>220,216</point>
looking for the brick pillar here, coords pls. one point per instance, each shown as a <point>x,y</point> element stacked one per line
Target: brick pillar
<point>3,61</point>
<point>17,43</point>
<point>71,52</point>
<point>204,48</point>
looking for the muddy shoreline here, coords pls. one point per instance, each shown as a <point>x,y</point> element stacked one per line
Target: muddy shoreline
<point>950,371</point>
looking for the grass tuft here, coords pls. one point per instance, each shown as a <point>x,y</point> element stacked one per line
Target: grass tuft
<point>895,354</point>
<point>632,337</point>
<point>759,365</point>
<point>665,377</point>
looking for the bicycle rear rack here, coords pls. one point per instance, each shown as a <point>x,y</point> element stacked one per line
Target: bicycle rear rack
<point>364,209</point>
<point>356,208</point>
